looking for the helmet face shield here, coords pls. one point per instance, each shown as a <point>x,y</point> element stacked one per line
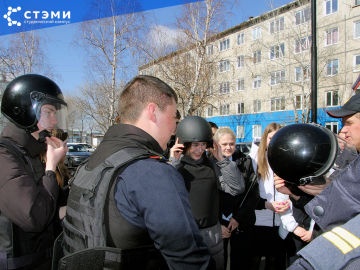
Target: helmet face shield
<point>51,112</point>
<point>52,116</point>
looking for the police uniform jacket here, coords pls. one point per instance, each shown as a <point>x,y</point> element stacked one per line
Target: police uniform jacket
<point>151,197</point>
<point>336,210</point>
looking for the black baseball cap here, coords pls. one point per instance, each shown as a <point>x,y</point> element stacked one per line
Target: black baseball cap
<point>352,106</point>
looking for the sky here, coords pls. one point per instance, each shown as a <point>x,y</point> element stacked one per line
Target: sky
<point>70,64</point>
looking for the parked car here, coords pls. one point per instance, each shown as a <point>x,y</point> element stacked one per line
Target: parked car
<point>76,154</point>
<point>88,147</point>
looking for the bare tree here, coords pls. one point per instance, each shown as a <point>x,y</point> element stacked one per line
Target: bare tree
<point>189,61</point>
<point>107,43</point>
<point>24,53</point>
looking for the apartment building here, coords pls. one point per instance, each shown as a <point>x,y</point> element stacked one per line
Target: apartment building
<point>261,69</point>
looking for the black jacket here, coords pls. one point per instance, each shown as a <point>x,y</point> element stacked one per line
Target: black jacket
<point>244,215</point>
<point>27,205</point>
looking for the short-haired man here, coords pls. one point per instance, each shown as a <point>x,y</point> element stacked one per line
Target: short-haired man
<point>214,127</point>
<point>148,202</point>
<point>337,208</point>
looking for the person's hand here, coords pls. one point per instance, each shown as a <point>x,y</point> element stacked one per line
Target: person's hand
<point>176,150</point>
<point>62,212</point>
<point>216,151</point>
<point>300,231</point>
<point>278,207</point>
<point>225,232</point>
<point>56,149</point>
<point>307,236</point>
<point>233,224</point>
<point>280,185</point>
<point>315,189</point>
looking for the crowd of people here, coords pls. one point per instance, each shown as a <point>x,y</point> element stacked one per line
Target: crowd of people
<point>164,193</point>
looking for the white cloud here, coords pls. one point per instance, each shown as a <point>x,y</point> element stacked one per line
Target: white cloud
<point>161,35</point>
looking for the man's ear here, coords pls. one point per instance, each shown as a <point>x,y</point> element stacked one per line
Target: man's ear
<point>152,108</point>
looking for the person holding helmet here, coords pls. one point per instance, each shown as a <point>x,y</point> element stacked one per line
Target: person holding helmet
<point>336,206</point>
<point>34,106</point>
<point>204,178</point>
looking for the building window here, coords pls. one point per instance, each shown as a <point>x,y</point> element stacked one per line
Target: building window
<point>357,63</point>
<point>257,82</point>
<point>240,132</point>
<point>277,104</point>
<point>224,87</point>
<point>277,77</point>
<point>256,33</point>
<point>224,44</point>
<point>332,98</point>
<point>240,108</point>
<point>277,25</point>
<point>302,73</point>
<point>257,106</point>
<point>241,84</point>
<point>357,30</point>
<point>302,16</point>
<point>225,109</point>
<point>257,57</point>
<point>277,51</point>
<point>210,111</point>
<point>209,49</point>
<point>303,44</point>
<point>298,102</point>
<point>357,2</point>
<point>240,62</point>
<point>330,6</point>
<point>143,72</point>
<point>332,67</point>
<point>224,66</point>
<point>257,132</point>
<point>331,36</point>
<point>333,126</point>
<point>240,38</point>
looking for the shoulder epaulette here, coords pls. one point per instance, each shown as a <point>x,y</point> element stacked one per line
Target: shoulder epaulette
<point>159,158</point>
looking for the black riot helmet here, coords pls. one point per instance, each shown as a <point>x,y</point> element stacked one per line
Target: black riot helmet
<point>299,153</point>
<point>31,101</point>
<point>194,129</point>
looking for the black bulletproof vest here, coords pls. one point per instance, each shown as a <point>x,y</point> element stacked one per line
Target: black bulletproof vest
<point>202,184</point>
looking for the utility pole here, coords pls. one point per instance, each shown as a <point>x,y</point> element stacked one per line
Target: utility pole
<point>313,64</point>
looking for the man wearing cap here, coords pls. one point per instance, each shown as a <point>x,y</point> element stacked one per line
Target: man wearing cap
<point>337,208</point>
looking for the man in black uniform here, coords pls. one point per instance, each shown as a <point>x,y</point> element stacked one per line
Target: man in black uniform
<point>28,187</point>
<point>147,202</point>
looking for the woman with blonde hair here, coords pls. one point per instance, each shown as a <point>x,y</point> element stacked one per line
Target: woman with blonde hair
<point>237,212</point>
<point>273,220</point>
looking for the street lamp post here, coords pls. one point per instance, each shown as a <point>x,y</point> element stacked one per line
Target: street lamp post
<point>313,64</point>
